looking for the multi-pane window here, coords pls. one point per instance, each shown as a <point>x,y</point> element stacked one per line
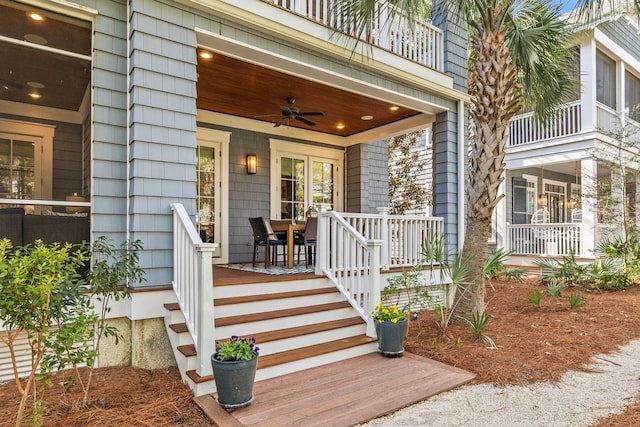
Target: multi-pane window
<point>206,200</point>
<point>17,169</point>
<point>632,96</point>
<point>605,80</point>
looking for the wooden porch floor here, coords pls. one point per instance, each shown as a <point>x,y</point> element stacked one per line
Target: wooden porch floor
<point>344,393</point>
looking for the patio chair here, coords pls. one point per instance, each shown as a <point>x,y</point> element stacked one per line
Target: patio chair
<point>308,240</point>
<point>263,235</point>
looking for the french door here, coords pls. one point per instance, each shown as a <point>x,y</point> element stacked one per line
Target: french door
<point>304,181</point>
<point>211,197</point>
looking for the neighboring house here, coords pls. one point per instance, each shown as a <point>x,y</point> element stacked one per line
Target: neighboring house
<point>112,111</point>
<point>561,193</point>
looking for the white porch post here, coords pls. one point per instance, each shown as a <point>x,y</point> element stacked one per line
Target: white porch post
<point>206,344</point>
<point>385,260</point>
<point>374,292</point>
<point>589,170</point>
<point>321,259</point>
<point>617,198</point>
<point>588,86</point>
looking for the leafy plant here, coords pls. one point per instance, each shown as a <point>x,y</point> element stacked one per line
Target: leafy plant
<point>554,289</point>
<point>391,314</point>
<point>494,266</point>
<point>515,274</point>
<point>478,323</point>
<point>534,297</point>
<point>567,272</point>
<point>236,349</point>
<point>576,300</point>
<point>43,296</point>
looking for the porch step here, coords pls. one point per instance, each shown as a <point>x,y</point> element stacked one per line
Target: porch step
<point>293,324</point>
<point>298,354</point>
<point>267,315</point>
<point>261,338</point>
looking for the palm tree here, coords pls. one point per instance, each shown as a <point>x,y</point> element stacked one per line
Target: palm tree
<point>590,10</point>
<point>517,59</point>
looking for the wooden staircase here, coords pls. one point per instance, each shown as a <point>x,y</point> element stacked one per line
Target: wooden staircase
<point>297,324</point>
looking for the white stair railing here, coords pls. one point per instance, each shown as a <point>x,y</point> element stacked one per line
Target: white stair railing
<point>193,285</point>
<point>351,262</point>
<point>402,235</point>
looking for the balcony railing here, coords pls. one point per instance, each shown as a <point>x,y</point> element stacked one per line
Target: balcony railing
<point>417,41</point>
<point>545,239</point>
<point>525,129</point>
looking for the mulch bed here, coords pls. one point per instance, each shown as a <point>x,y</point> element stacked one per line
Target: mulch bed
<point>533,344</point>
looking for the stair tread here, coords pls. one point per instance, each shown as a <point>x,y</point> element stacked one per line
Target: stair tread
<point>261,338</point>
<point>298,354</point>
<point>272,296</point>
<point>179,328</point>
<point>255,317</point>
<point>172,306</point>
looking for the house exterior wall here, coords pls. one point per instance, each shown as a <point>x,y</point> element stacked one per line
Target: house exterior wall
<point>366,177</point>
<point>625,34</point>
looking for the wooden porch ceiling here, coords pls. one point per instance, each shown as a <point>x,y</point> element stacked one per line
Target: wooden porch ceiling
<point>225,85</point>
<point>344,393</point>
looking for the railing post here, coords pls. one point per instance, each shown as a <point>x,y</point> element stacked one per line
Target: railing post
<point>374,292</point>
<point>323,241</point>
<point>206,319</point>
<point>385,253</point>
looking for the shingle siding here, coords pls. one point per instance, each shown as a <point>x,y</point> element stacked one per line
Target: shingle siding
<point>367,179</point>
<point>625,34</point>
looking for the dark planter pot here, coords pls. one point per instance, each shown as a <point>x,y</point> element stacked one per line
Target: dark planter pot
<point>234,382</point>
<point>391,337</point>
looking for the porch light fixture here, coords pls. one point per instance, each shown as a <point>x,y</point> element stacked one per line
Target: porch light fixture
<point>252,164</point>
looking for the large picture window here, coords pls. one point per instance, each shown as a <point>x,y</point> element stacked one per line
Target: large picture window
<point>605,80</point>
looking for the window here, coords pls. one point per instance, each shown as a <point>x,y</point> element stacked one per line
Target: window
<point>523,199</point>
<point>632,96</point>
<point>304,181</point>
<point>605,80</point>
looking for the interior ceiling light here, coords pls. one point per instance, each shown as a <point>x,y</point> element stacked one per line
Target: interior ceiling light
<point>35,95</point>
<point>366,117</point>
<point>340,126</point>
<point>205,54</point>
<point>35,85</point>
<point>34,38</point>
<point>394,108</point>
<point>35,16</point>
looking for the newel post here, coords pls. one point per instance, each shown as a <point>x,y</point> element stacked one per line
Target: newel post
<point>376,286</point>
<point>323,240</point>
<point>206,340</point>
<point>386,237</point>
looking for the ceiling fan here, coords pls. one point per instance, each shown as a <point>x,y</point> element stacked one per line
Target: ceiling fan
<point>293,113</point>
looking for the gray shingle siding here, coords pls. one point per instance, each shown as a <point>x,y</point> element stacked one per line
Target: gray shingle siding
<point>367,181</point>
<point>445,179</point>
<point>455,44</point>
<point>625,35</point>
<point>162,130</point>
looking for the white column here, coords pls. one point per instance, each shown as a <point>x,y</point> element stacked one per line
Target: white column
<point>588,85</point>
<point>588,171</point>
<point>501,218</point>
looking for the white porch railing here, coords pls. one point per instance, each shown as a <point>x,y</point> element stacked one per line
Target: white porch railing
<point>402,235</point>
<point>524,129</point>
<point>351,262</point>
<point>545,239</point>
<point>193,285</point>
<point>418,41</point>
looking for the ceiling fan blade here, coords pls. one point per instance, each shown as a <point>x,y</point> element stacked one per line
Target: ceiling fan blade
<point>281,121</point>
<point>306,121</point>
<point>312,113</point>
<point>9,83</point>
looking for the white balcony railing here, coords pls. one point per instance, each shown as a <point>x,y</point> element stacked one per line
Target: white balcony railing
<point>525,129</point>
<point>193,285</point>
<point>417,41</point>
<point>545,239</point>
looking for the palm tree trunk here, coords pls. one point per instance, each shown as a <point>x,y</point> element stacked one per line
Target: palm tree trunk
<point>495,99</point>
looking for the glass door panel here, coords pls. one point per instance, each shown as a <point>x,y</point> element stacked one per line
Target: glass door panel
<point>322,183</point>
<point>17,169</point>
<point>206,169</point>
<point>292,188</point>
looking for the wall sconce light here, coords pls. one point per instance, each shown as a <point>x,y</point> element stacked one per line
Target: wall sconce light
<point>252,164</point>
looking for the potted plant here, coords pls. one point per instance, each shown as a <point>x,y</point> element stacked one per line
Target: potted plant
<point>391,328</point>
<point>234,370</point>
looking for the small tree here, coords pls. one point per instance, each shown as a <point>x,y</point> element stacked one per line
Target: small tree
<point>407,191</point>
<point>43,296</point>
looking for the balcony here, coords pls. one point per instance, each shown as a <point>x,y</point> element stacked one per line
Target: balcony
<point>417,41</point>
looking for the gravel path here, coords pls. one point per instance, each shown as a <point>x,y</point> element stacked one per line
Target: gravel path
<point>579,399</point>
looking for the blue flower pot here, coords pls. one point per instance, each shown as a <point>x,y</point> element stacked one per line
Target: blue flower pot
<point>234,382</point>
<point>391,337</point>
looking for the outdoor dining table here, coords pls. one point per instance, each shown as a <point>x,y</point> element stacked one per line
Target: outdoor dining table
<point>290,228</point>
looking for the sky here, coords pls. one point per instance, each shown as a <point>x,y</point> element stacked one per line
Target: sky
<point>567,5</point>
